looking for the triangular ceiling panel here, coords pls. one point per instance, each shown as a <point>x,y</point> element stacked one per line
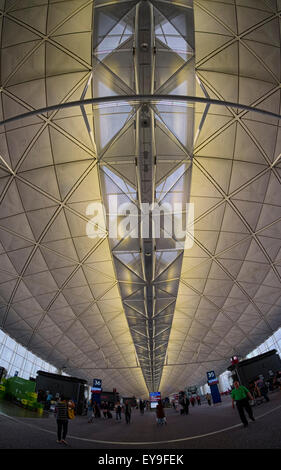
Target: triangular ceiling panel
<point>180,18</point>
<point>59,14</point>
<point>34,17</point>
<point>14,56</point>
<point>268,54</point>
<point>230,272</point>
<point>247,17</point>
<point>19,143</point>
<point>225,15</point>
<point>267,33</point>
<point>206,43</point>
<point>76,44</point>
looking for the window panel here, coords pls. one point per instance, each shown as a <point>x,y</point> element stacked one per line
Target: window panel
<point>13,369</point>
<point>21,350</point>
<point>4,364</point>
<point>30,357</point>
<point>7,354</point>
<point>2,336</point>
<point>10,343</point>
<point>28,366</point>
<point>18,360</point>
<point>14,357</point>
<point>25,375</point>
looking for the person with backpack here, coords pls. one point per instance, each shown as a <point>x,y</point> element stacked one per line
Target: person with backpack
<point>160,414</point>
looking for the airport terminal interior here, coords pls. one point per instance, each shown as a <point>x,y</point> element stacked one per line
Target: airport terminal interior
<point>140,224</point>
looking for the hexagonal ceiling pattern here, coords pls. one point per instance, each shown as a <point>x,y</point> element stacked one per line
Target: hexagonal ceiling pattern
<point>63,295</point>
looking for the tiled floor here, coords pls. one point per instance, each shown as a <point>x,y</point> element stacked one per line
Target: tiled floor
<point>215,427</point>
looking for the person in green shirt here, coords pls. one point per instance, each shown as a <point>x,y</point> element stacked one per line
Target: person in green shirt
<point>241,396</point>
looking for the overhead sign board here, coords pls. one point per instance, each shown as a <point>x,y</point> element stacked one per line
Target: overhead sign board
<point>96,388</point>
<point>211,378</point>
<point>212,382</point>
<point>155,397</point>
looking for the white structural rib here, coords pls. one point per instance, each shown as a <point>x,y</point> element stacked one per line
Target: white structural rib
<point>100,307</point>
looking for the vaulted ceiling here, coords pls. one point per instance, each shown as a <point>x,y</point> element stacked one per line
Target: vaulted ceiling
<point>84,303</point>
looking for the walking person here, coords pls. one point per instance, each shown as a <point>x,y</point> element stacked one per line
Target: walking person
<point>41,397</point>
<point>96,410</point>
<point>109,414</point>
<point>118,411</point>
<point>90,411</point>
<point>142,405</point>
<point>61,412</point>
<point>48,400</point>
<point>127,411</point>
<point>104,409</point>
<point>198,400</point>
<point>241,396</point>
<point>278,379</point>
<point>185,405</point>
<point>263,389</point>
<point>160,414</point>
<point>85,407</point>
<point>208,398</point>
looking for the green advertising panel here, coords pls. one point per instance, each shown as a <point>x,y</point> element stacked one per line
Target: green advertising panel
<point>23,391</point>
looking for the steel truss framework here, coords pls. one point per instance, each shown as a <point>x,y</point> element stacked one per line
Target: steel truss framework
<point>86,304</point>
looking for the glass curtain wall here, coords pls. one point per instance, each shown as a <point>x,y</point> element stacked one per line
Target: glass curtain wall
<point>273,342</point>
<point>16,358</point>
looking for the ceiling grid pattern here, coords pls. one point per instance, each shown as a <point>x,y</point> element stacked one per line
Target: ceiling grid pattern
<point>58,289</point>
<point>229,300</point>
<point>79,302</point>
<point>148,271</point>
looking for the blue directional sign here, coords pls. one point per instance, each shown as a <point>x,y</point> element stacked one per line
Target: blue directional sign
<point>212,382</point>
<point>97,383</point>
<point>211,378</point>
